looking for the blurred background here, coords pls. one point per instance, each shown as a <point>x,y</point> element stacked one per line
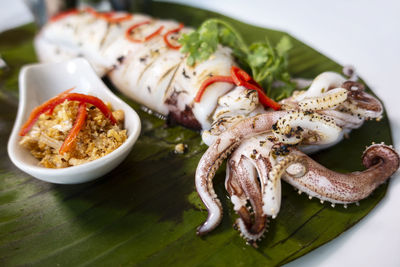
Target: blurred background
<point>365,34</point>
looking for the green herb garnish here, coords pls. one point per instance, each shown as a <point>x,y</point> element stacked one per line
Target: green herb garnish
<point>268,64</point>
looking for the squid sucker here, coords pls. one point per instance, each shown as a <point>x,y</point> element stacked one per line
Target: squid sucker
<point>261,146</point>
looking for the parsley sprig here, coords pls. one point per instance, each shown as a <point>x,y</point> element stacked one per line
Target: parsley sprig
<point>268,64</point>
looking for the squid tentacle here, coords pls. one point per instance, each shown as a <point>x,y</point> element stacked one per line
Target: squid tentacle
<point>272,194</point>
<point>290,128</point>
<point>343,119</point>
<point>380,160</point>
<point>328,100</point>
<point>367,109</point>
<point>350,72</point>
<point>361,103</point>
<point>250,163</point>
<point>217,153</point>
<point>322,83</point>
<point>251,227</point>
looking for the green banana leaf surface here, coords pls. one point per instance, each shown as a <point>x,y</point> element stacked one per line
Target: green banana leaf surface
<point>145,212</point>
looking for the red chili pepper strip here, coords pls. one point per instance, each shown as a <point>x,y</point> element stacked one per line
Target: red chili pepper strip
<point>235,76</point>
<point>113,17</point>
<point>69,142</point>
<point>242,78</point>
<point>91,11</point>
<point>39,110</point>
<point>264,99</point>
<point>95,101</point>
<point>244,75</point>
<point>239,76</point>
<point>117,19</point>
<point>171,32</point>
<point>50,111</point>
<point>63,14</point>
<point>152,35</point>
<point>102,15</point>
<point>50,104</point>
<point>210,81</point>
<point>108,16</point>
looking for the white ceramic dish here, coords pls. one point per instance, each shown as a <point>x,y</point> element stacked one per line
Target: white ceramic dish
<point>40,82</point>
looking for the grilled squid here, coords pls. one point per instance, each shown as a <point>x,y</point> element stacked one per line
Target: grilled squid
<point>262,146</point>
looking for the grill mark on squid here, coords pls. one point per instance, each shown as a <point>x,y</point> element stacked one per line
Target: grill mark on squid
<point>101,44</point>
<point>169,86</point>
<point>167,72</point>
<point>145,69</point>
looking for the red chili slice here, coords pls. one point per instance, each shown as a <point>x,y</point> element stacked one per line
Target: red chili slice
<point>244,75</point>
<point>64,14</point>
<point>91,11</point>
<point>69,142</point>
<point>50,111</point>
<point>128,33</point>
<point>210,81</point>
<point>39,110</point>
<point>171,32</point>
<point>240,78</point>
<point>117,19</point>
<point>111,16</point>
<point>235,76</point>
<point>52,103</point>
<point>95,101</point>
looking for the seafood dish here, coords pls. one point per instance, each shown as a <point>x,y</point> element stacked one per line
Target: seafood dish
<point>209,80</point>
<point>72,129</point>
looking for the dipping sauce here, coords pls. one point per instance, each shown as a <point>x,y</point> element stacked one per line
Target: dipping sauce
<point>57,140</point>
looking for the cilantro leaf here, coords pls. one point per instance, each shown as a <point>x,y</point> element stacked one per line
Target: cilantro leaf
<point>200,44</point>
<point>268,64</point>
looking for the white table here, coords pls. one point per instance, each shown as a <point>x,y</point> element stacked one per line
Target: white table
<point>364,34</point>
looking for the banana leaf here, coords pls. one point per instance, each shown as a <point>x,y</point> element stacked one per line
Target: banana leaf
<point>145,212</point>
